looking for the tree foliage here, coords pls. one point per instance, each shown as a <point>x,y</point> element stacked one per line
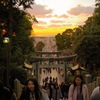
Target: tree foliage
<point>17,3</point>
<point>88,50</point>
<point>7,8</point>
<point>85,40</point>
<point>21,43</point>
<point>17,73</point>
<point>97,12</point>
<point>39,46</point>
<point>63,40</point>
<point>15,24</point>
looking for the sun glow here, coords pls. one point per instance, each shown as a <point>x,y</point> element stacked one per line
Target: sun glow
<point>55,16</point>
<point>59,7</point>
<point>50,31</point>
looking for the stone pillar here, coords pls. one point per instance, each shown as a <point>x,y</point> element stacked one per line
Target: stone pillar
<point>18,88</point>
<point>88,78</point>
<point>36,71</point>
<point>65,72</point>
<point>98,81</point>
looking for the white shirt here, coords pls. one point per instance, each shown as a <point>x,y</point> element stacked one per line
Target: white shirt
<point>95,91</point>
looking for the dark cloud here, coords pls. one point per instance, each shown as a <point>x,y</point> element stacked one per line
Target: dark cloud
<point>78,10</point>
<point>39,10</point>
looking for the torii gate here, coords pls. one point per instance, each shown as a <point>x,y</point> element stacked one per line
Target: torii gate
<point>38,60</point>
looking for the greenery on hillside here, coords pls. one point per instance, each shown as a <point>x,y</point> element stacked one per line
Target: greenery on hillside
<point>84,40</point>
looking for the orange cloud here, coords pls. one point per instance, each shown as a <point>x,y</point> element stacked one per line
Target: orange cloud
<point>54,19</point>
<point>39,10</point>
<point>79,9</point>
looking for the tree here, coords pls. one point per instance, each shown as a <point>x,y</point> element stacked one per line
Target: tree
<point>39,46</point>
<point>97,12</point>
<point>76,36</point>
<point>7,7</point>
<point>68,32</point>
<point>88,51</point>
<point>17,73</point>
<point>59,42</point>
<point>17,25</point>
<point>22,43</point>
<point>63,40</point>
<point>18,28</point>
<point>90,26</point>
<point>86,40</point>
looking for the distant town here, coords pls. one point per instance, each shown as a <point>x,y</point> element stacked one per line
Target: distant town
<point>50,43</point>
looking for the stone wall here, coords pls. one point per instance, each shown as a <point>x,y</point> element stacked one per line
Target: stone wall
<point>18,88</point>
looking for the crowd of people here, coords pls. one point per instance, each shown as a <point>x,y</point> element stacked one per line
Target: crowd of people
<point>51,90</point>
<point>77,90</point>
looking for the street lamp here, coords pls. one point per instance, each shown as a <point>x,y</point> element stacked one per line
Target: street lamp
<point>6,41</point>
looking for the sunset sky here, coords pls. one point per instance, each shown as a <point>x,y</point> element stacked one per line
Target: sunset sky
<point>55,16</point>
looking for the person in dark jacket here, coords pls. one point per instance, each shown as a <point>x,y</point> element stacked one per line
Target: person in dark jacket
<point>4,93</point>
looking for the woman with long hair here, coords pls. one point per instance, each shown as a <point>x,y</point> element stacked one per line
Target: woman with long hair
<point>78,90</point>
<point>32,91</point>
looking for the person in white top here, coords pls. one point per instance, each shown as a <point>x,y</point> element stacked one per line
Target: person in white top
<point>95,94</point>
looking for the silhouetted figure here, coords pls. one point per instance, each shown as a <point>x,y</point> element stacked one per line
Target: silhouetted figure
<point>4,93</point>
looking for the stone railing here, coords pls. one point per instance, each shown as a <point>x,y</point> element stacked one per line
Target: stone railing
<point>18,88</point>
<point>92,85</point>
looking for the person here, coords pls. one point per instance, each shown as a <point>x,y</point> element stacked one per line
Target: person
<point>64,90</point>
<point>4,92</point>
<point>78,90</point>
<point>95,93</point>
<point>56,93</point>
<point>32,91</point>
<point>13,94</point>
<point>47,89</point>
